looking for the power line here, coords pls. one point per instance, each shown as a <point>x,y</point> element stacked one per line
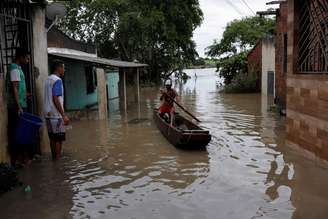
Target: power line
<point>234,7</point>
<point>244,1</point>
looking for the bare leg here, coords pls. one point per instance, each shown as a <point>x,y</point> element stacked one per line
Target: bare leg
<point>58,149</point>
<point>52,147</point>
<point>171,118</point>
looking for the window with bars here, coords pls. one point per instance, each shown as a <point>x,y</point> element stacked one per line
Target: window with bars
<point>15,18</point>
<point>313,37</point>
<point>16,31</point>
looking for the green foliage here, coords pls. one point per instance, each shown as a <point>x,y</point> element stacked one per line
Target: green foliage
<point>241,83</point>
<point>230,66</point>
<point>204,63</point>
<point>238,38</point>
<point>156,32</point>
<point>199,62</point>
<point>241,35</point>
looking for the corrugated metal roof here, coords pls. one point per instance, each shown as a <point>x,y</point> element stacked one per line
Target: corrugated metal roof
<point>89,57</point>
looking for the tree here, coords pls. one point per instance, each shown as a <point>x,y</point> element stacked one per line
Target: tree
<point>238,38</point>
<point>156,32</point>
<point>241,35</point>
<point>230,66</point>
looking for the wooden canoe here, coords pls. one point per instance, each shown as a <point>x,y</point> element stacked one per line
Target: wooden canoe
<point>184,134</point>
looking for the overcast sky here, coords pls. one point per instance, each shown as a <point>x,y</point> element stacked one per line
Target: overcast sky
<point>217,14</point>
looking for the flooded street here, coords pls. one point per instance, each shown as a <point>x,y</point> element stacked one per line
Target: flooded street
<point>125,168</point>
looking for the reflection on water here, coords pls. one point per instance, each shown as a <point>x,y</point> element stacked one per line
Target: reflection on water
<point>124,167</point>
<point>113,105</point>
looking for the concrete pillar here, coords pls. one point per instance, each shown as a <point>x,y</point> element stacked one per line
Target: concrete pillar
<point>40,61</point>
<point>102,96</point>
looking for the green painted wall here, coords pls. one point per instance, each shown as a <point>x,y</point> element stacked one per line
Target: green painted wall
<point>112,83</point>
<point>76,96</point>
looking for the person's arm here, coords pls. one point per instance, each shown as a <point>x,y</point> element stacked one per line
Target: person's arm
<point>56,93</point>
<point>60,109</point>
<point>15,85</point>
<point>162,91</point>
<point>58,105</point>
<point>15,79</point>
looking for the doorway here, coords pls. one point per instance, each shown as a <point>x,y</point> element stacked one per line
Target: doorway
<point>271,80</point>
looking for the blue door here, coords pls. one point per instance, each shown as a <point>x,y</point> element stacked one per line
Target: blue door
<point>112,78</point>
<point>112,83</point>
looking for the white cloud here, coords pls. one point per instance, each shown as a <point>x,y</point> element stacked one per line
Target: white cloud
<point>217,14</point>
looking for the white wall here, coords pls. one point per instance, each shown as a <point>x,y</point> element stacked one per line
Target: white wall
<point>40,58</point>
<point>268,61</point>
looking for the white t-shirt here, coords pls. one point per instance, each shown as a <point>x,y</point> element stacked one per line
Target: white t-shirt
<point>50,110</point>
<point>15,75</point>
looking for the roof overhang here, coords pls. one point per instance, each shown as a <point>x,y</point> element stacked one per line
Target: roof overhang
<point>92,58</point>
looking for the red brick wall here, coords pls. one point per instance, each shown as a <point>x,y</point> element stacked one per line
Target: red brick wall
<point>254,63</point>
<point>307,97</point>
<point>281,74</point>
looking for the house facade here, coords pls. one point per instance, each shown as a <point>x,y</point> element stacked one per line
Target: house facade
<point>268,66</point>
<point>93,85</point>
<point>307,75</point>
<point>281,40</point>
<point>22,24</point>
<point>261,63</point>
<point>254,64</point>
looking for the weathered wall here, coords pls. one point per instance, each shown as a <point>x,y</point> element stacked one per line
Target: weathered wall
<point>102,96</point>
<point>307,98</point>
<point>281,74</point>
<point>254,63</point>
<point>4,156</point>
<point>40,58</point>
<point>268,61</point>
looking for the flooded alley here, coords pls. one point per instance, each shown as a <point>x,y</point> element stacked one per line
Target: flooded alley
<point>124,167</point>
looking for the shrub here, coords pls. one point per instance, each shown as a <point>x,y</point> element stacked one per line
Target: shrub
<point>242,83</point>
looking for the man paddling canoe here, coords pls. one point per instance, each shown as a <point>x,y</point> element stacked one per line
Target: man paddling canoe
<point>167,101</point>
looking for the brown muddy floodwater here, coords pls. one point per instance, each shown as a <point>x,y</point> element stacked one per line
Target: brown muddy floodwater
<point>124,168</point>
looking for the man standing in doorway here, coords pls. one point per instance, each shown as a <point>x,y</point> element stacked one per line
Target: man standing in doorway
<point>54,108</point>
<point>16,103</point>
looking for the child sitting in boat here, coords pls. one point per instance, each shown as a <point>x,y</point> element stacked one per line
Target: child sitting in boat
<point>167,101</point>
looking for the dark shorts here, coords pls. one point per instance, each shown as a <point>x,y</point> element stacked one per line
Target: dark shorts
<point>58,137</point>
<point>56,129</point>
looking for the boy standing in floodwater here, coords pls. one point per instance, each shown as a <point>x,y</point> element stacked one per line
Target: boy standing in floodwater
<point>54,108</point>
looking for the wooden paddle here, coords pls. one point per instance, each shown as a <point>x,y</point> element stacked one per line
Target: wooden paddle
<point>179,105</point>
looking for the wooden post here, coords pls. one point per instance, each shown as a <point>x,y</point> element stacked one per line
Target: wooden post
<point>138,85</point>
<point>124,89</point>
<point>138,92</point>
<point>102,95</point>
